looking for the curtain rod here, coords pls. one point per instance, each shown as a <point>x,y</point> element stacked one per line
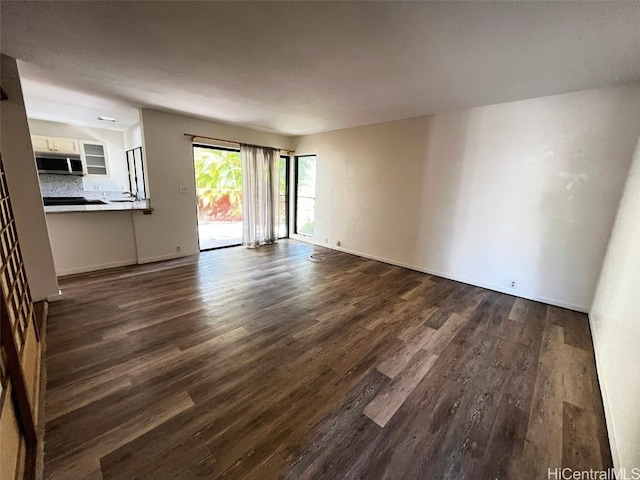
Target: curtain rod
<point>193,137</point>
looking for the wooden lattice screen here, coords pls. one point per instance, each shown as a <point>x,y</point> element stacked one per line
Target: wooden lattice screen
<point>19,339</point>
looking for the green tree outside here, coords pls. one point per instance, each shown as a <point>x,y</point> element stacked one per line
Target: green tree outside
<point>218,184</point>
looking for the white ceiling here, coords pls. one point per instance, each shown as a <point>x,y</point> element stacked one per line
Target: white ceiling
<point>57,97</point>
<point>306,67</point>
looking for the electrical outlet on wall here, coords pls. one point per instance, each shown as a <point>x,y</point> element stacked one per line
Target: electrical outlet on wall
<point>183,189</point>
<point>178,249</point>
<point>513,284</point>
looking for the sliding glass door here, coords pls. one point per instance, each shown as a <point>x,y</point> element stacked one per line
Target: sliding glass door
<point>219,192</point>
<point>305,194</point>
<point>218,174</point>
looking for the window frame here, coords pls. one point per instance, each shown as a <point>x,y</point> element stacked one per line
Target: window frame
<point>295,213</point>
<point>287,161</point>
<point>131,162</point>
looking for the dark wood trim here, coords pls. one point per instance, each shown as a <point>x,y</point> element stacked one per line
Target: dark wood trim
<point>41,310</point>
<point>193,140</point>
<point>215,147</point>
<point>19,389</point>
<point>24,318</point>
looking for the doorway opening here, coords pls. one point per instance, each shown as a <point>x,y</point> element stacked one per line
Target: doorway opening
<point>218,174</point>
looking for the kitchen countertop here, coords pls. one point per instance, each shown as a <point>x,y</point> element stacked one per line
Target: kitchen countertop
<point>107,207</point>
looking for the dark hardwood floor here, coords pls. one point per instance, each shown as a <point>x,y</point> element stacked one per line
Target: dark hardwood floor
<point>262,364</point>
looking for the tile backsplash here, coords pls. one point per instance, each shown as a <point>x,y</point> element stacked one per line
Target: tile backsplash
<point>72,186</point>
<point>61,185</point>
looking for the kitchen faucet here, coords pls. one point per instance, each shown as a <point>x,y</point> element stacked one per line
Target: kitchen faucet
<point>134,195</point>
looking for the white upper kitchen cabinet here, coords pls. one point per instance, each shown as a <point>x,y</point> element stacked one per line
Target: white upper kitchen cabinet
<point>94,155</point>
<point>66,145</point>
<point>55,144</point>
<point>40,144</point>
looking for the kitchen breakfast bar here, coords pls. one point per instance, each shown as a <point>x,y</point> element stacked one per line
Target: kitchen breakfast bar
<point>91,237</point>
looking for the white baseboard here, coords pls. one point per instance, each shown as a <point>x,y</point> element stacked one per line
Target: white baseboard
<point>94,268</point>
<point>605,398</point>
<point>160,258</point>
<point>56,297</point>
<point>121,263</point>
<point>512,291</point>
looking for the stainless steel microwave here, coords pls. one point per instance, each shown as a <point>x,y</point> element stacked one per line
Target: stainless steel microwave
<point>59,164</point>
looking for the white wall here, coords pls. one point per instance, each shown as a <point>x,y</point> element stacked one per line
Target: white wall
<point>133,137</point>
<point>524,191</point>
<point>615,326</point>
<point>22,178</point>
<point>88,241</point>
<point>118,179</point>
<point>169,164</point>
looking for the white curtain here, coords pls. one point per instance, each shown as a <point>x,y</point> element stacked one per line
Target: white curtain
<point>260,176</point>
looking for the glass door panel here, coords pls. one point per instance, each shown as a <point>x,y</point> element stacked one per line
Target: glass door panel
<point>218,174</point>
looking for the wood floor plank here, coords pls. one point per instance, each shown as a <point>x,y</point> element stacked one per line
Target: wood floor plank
<point>543,448</point>
<point>85,462</point>
<point>577,372</point>
<point>506,442</point>
<point>261,364</point>
<point>579,427</point>
<point>575,325</point>
<point>519,310</point>
<point>64,400</point>
<point>398,362</point>
<point>199,423</point>
<point>411,433</point>
<point>421,317</point>
<point>320,453</point>
<point>382,408</point>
